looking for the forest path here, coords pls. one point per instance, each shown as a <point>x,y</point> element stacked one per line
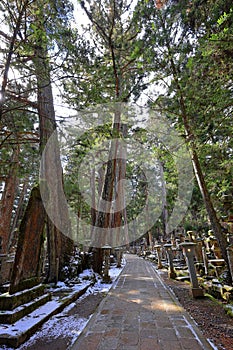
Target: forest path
<point>140,313</point>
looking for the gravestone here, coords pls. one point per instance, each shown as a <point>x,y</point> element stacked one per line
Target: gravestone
<point>189,253</point>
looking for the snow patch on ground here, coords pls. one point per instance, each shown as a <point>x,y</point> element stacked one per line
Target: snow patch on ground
<point>63,325</point>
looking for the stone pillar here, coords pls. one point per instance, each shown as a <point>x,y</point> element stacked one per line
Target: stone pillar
<point>189,252</point>
<point>106,264</point>
<point>173,240</point>
<point>230,259</point>
<point>169,252</point>
<point>118,256</point>
<point>179,254</point>
<point>159,256</point>
<point>198,250</point>
<point>230,238</point>
<point>205,260</point>
<point>216,249</point>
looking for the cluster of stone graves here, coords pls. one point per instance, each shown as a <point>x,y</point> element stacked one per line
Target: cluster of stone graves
<point>196,258</point>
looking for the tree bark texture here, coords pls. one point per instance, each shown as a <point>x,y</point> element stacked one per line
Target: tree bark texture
<point>18,216</point>
<point>7,201</point>
<point>27,259</point>
<point>52,169</point>
<point>109,216</point>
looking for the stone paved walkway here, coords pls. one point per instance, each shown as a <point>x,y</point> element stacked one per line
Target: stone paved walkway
<point>140,313</point>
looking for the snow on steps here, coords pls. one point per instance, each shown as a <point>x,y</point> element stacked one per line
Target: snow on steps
<point>15,334</point>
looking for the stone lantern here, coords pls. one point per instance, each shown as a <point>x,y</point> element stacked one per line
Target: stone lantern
<point>106,263</point>
<point>169,252</point>
<point>189,253</point>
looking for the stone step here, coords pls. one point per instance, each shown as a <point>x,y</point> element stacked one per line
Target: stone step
<point>15,334</point>
<point>12,301</point>
<point>11,316</point>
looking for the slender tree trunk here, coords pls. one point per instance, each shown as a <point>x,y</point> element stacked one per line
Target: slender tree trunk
<point>93,196</point>
<point>7,201</point>
<point>190,137</point>
<point>164,204</point>
<point>191,141</point>
<point>215,224</point>
<point>18,216</point>
<point>10,53</point>
<point>150,239</point>
<point>212,215</point>
<point>97,260</point>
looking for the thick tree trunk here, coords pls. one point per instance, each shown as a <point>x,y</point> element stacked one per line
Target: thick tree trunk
<point>26,272</point>
<point>97,260</point>
<point>105,218</point>
<point>119,217</point>
<point>52,169</point>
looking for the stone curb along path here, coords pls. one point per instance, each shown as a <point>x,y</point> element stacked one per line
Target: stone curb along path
<point>140,313</point>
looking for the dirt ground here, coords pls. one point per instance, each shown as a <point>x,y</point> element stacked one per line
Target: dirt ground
<point>209,315</point>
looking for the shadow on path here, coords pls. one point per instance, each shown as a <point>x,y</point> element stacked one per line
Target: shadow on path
<point>140,313</point>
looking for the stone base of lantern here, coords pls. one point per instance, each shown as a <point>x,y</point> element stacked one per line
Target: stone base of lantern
<point>197,293</point>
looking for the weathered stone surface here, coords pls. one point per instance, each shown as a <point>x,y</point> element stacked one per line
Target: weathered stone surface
<point>11,301</point>
<point>6,263</point>
<point>10,317</point>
